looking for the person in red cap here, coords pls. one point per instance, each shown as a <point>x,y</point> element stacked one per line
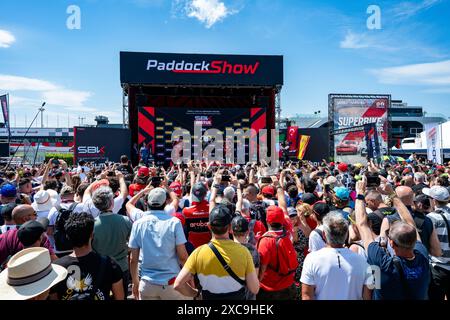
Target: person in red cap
<point>268,193</point>
<point>140,182</point>
<point>278,259</point>
<point>344,177</point>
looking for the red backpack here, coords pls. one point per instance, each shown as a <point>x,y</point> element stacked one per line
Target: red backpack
<point>286,255</point>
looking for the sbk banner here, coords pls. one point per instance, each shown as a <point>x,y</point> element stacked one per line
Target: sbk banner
<point>292,139</point>
<point>303,146</point>
<point>372,142</point>
<point>5,109</point>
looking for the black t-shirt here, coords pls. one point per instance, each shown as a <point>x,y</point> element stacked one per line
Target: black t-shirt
<point>89,266</point>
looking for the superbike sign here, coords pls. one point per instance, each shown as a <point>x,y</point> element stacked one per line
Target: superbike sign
<point>199,69</point>
<point>91,150</point>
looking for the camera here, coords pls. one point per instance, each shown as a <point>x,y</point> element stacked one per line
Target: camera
<point>226,178</point>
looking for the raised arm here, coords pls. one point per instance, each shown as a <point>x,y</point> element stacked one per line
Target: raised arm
<point>361,215</point>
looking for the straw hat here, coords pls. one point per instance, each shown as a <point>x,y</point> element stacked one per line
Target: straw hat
<point>29,273</point>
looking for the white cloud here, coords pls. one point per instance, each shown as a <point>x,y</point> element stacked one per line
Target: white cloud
<point>23,101</point>
<point>408,9</point>
<point>434,73</point>
<point>207,12</point>
<point>353,41</point>
<point>12,83</point>
<point>66,98</point>
<point>6,38</point>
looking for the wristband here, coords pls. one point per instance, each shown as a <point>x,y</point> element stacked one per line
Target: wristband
<point>360,197</point>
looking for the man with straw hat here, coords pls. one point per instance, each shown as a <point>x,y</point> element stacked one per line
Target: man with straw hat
<point>30,275</point>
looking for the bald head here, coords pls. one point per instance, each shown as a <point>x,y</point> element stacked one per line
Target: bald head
<point>23,213</point>
<point>408,181</point>
<point>403,235</point>
<point>406,194</point>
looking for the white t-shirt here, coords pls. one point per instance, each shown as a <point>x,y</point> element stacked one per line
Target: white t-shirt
<point>136,213</point>
<point>43,214</point>
<point>315,240</point>
<point>53,214</point>
<point>88,206</point>
<point>337,274</point>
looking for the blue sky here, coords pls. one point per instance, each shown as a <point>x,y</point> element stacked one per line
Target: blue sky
<point>327,48</point>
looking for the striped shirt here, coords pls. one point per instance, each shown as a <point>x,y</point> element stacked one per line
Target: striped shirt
<point>442,233</point>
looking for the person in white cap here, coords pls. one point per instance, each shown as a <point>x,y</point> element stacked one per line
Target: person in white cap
<point>30,275</point>
<point>159,240</point>
<point>440,283</point>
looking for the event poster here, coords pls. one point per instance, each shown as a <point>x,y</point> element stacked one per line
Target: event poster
<point>355,111</point>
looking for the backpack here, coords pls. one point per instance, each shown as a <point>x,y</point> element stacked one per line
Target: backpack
<point>59,234</point>
<point>258,211</point>
<point>287,262</point>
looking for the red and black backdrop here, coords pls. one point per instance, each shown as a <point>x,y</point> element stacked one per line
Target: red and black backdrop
<point>160,99</point>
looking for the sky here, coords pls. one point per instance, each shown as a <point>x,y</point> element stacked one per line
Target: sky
<point>328,47</point>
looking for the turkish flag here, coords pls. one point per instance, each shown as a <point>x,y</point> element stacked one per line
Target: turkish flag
<point>292,138</point>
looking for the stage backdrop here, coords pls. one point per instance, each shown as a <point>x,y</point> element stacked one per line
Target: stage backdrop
<point>348,111</point>
<point>157,124</point>
<point>101,144</point>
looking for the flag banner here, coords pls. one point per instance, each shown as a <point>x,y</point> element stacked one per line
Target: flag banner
<point>292,139</point>
<point>434,139</point>
<point>303,146</point>
<point>5,109</point>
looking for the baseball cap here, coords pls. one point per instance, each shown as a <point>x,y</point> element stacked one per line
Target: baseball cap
<point>30,232</point>
<point>332,164</point>
<point>269,190</point>
<point>176,187</point>
<point>8,191</point>
<point>239,224</point>
<point>157,197</point>
<point>309,198</point>
<point>376,222</point>
<point>321,208</point>
<point>342,193</point>
<point>220,216</point>
<point>292,212</point>
<point>437,193</point>
<point>198,192</point>
<point>342,167</point>
<point>143,172</point>
<point>275,215</point>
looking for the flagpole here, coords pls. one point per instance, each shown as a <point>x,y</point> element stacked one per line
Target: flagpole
<point>9,124</point>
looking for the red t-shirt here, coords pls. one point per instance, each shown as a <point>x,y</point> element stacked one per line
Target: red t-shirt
<point>258,229</point>
<point>196,219</point>
<point>272,281</point>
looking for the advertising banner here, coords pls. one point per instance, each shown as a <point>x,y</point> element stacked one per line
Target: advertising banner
<point>350,111</point>
<point>434,144</point>
<point>200,69</point>
<point>303,146</point>
<point>100,145</point>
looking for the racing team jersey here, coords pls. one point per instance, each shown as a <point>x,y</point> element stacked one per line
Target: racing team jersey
<point>197,218</point>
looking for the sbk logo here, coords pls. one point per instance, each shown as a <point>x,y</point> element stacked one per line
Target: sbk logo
<point>91,150</point>
<point>213,67</point>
